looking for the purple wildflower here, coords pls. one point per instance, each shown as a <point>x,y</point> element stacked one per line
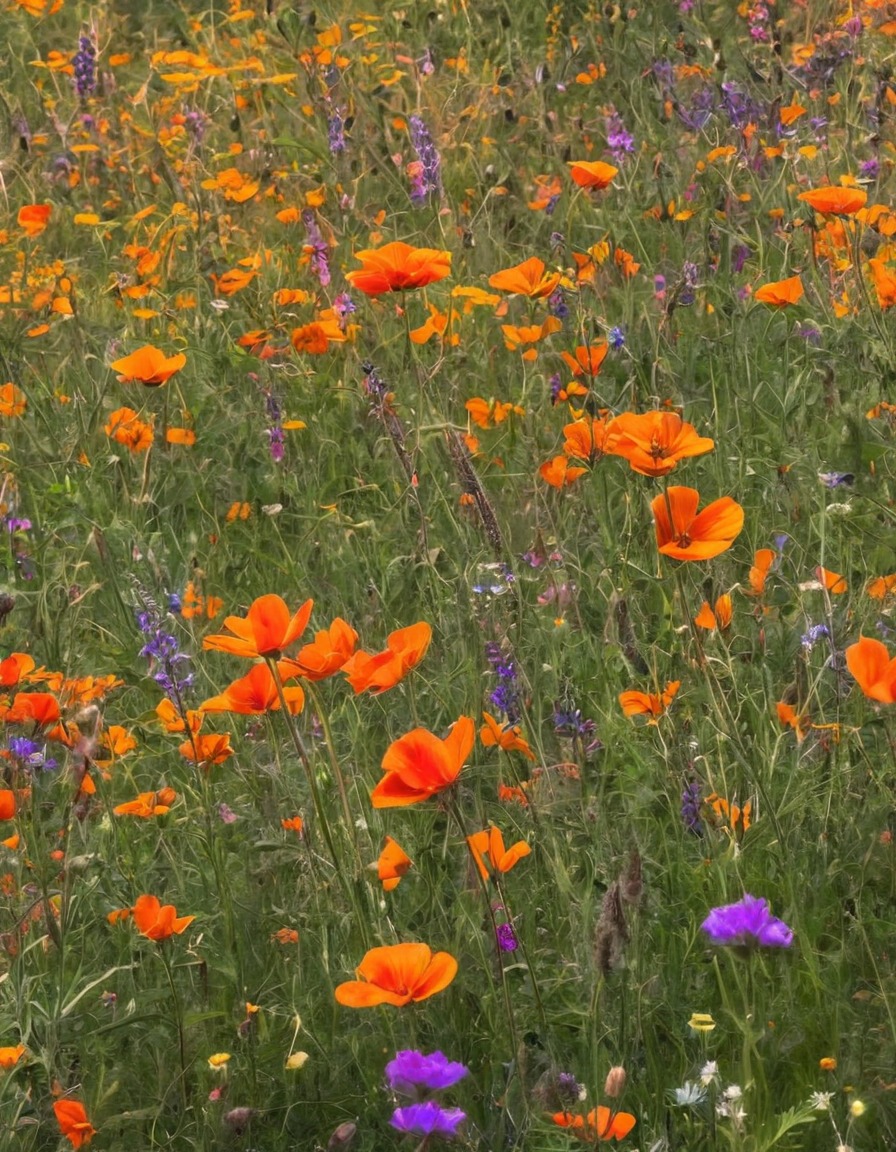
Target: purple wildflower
<point>413,1073</point>
<point>506,937</point>
<point>343,306</point>
<point>428,181</point>
<point>84,66</point>
<point>163,651</point>
<point>557,304</point>
<point>616,337</point>
<point>690,808</point>
<point>836,479</point>
<point>505,697</point>
<point>336,132</point>
<point>620,142</point>
<point>747,923</point>
<point>428,1119</point>
<point>318,248</point>
<point>814,634</point>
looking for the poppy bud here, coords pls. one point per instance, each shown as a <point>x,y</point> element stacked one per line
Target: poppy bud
<point>615,1083</point>
<point>343,1137</point>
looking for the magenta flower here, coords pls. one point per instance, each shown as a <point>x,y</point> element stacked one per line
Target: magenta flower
<point>413,1073</point>
<point>429,1119</point>
<point>746,924</point>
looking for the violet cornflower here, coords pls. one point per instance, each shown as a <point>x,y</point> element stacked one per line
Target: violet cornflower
<point>428,1119</point>
<point>746,924</point>
<point>414,1073</point>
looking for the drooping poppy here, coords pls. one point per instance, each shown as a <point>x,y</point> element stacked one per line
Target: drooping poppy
<point>148,365</point>
<point>654,442</point>
<point>398,267</point>
<point>683,534</point>
<point>398,974</point>
<point>256,693</point>
<point>265,631</point>
<point>487,849</point>
<point>873,668</point>
<point>158,921</point>
<point>526,279</point>
<point>601,1123</point>
<point>71,1116</point>
<point>591,173</point>
<point>835,200</point>
<point>635,703</point>
<point>718,618</point>
<point>392,864</point>
<point>780,293</point>
<point>508,738</point>
<point>419,765</point>
<point>376,673</point>
<point>329,651</point>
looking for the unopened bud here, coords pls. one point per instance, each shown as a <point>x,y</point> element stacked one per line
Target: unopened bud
<point>343,1138</point>
<point>615,1084</point>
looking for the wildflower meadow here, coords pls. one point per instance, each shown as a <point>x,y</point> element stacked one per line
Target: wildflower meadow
<point>448,575</point>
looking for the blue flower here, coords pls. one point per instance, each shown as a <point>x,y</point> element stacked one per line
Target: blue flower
<point>412,1071</point>
<point>747,923</point>
<point>428,1119</point>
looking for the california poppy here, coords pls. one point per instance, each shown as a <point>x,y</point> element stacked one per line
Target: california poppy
<point>392,864</point>
<point>508,738</point>
<point>405,648</point>
<point>208,749</point>
<point>398,974</point>
<point>526,279</point>
<point>7,804</point>
<point>559,473</point>
<point>601,1123</point>
<point>32,218</point>
<point>587,359</point>
<point>419,765</point>
<point>715,618</point>
<point>874,669</point>
<point>838,201</point>
<point>13,401</point>
<point>148,365</point>
<point>397,267</point>
<point>832,581</point>
<point>488,413</point>
<point>40,708</point>
<point>654,442</point>
<point>489,846</point>
<point>265,631</point>
<point>148,804</point>
<point>780,293</point>
<point>684,534</point>
<point>329,651</point>
<point>125,427</point>
<point>762,562</point>
<point>11,1055</point>
<point>158,921</point>
<point>635,703</point>
<point>877,589</point>
<point>256,693</point>
<point>589,439</point>
<point>591,173</point>
<point>788,715</point>
<point>16,666</point>
<point>71,1117</point>
<point>516,337</point>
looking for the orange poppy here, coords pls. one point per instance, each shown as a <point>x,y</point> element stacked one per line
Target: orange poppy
<point>419,765</point>
<point>559,473</point>
<point>397,267</point>
<point>654,442</point>
<point>591,173</point>
<point>489,846</point>
<point>788,715</point>
<point>648,703</point>
<point>398,974</point>
<point>780,293</point>
<point>148,804</point>
<point>835,200</point>
<point>404,650</point>
<point>7,804</point>
<point>833,581</point>
<point>10,1056</point>
<point>41,708</point>
<point>16,666</point>
<point>265,631</point>
<point>762,562</point>
<point>526,279</point>
<point>148,365</point>
<point>515,337</point>
<point>71,1117</point>
<point>600,1124</point>
<point>683,534</point>
<point>13,400</point>
<point>493,735</point>
<point>392,864</point>
<point>204,751</point>
<point>256,693</point>
<point>158,921</point>
<point>589,439</point>
<point>125,427</point>
<point>877,589</point>
<point>718,618</point>
<point>732,814</point>
<point>587,359</point>
<point>293,824</point>
<point>32,218</point>
<point>873,668</point>
<point>172,721</point>
<point>329,651</point>
<point>488,413</point>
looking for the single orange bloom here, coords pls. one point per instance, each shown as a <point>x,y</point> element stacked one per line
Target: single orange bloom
<point>591,173</point>
<point>405,648</point>
<point>833,581</point>
<point>877,589</point>
<point>787,714</point>
<point>398,974</point>
<point>286,936</point>
<point>762,562</point>
<point>559,473</point>
<point>517,793</point>
<point>148,804</point>
<point>158,921</point>
<point>14,668</point>
<point>489,845</point>
<point>718,618</point>
<point>126,428</point>
<point>419,765</point>
<point>7,804</point>
<point>515,337</point>
<point>835,200</point>
<point>587,359</point>
<point>397,267</point>
<point>600,1124</point>
<point>392,864</point>
<point>489,413</point>
<point>148,365</point>
<point>10,1056</point>
<point>316,337</point>
<point>654,442</point>
<point>873,668</point>
<point>732,814</point>
<point>265,631</point>
<point>73,1123</point>
<point>526,279</point>
<point>32,218</point>
<point>589,439</point>
<point>492,735</point>
<point>13,401</point>
<point>329,651</point>
<point>41,708</point>
<point>293,824</point>
<point>256,693</point>
<point>204,751</point>
<point>780,293</point>
<point>683,534</point>
<point>172,721</point>
<point>647,703</point>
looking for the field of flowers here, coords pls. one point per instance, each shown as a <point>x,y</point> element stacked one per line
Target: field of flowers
<point>447,633</point>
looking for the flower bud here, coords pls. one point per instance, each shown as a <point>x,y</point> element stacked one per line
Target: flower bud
<point>615,1083</point>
